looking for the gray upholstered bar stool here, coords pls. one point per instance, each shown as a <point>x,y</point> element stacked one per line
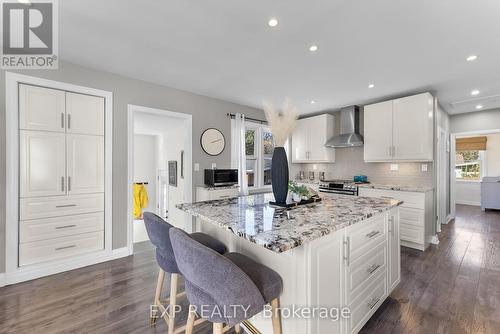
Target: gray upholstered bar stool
<point>158,232</point>
<point>220,282</point>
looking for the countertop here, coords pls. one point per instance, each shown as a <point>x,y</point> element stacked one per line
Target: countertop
<point>252,218</point>
<point>396,187</point>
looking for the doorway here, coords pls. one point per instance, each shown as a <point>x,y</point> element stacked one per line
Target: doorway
<point>157,139</point>
<point>475,156</point>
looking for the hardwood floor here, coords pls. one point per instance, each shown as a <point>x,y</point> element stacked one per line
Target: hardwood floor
<point>453,287</point>
<point>450,288</point>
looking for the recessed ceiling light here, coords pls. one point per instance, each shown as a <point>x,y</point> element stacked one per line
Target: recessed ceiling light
<point>273,22</point>
<point>479,106</point>
<point>371,85</point>
<point>472,58</point>
<point>26,2</point>
<point>475,92</point>
<point>313,102</point>
<point>313,48</point>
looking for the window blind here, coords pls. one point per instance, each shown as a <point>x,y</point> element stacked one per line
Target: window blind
<point>471,144</point>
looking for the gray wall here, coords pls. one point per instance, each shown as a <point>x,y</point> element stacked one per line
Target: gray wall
<point>207,112</point>
<point>476,121</point>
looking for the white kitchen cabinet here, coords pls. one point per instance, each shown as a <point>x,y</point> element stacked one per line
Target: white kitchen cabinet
<point>85,163</point>
<point>61,174</point>
<point>309,138</point>
<point>41,109</point>
<point>84,114</point>
<point>378,131</point>
<point>42,164</point>
<point>416,215</point>
<point>394,253</point>
<point>413,128</point>
<point>400,130</point>
<point>210,194</point>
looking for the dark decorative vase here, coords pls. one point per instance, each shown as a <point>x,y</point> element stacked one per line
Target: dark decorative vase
<point>279,174</point>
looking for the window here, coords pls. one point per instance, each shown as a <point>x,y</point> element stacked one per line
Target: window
<point>259,148</point>
<point>469,165</point>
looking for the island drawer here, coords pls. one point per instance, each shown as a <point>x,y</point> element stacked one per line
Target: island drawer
<point>366,267</point>
<point>368,301</point>
<point>363,237</point>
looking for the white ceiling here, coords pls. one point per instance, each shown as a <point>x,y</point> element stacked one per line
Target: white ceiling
<point>225,49</point>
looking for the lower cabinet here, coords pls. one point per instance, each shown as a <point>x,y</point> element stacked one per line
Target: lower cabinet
<point>416,215</point>
<point>210,194</point>
<point>372,266</point>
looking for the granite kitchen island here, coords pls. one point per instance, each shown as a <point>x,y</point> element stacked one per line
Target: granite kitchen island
<point>338,254</point>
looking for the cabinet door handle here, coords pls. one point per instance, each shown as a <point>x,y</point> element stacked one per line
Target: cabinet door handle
<point>347,250</point>
<point>62,183</point>
<point>372,302</point>
<point>65,206</point>
<point>65,226</point>
<point>65,247</point>
<point>372,268</point>
<point>372,234</point>
<point>69,121</point>
<point>69,183</point>
<point>62,120</point>
<point>391,225</point>
<point>224,196</point>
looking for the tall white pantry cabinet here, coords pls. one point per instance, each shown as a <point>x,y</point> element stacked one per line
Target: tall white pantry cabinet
<point>61,174</point>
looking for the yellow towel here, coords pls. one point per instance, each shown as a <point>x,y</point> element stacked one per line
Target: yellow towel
<point>141,200</point>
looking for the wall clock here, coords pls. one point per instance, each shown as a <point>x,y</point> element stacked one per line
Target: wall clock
<point>212,141</point>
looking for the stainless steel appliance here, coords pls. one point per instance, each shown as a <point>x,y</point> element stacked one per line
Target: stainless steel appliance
<point>349,129</point>
<point>344,187</point>
<point>221,177</point>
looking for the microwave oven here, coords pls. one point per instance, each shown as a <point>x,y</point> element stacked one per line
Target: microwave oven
<point>221,177</point>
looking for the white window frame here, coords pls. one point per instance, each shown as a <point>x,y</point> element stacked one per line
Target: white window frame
<point>482,168</point>
<point>259,129</point>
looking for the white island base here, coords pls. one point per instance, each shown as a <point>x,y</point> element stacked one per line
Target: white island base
<point>355,267</point>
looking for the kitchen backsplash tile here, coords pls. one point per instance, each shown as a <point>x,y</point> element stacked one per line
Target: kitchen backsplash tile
<point>349,162</point>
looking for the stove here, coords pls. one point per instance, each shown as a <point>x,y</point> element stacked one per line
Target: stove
<point>344,187</point>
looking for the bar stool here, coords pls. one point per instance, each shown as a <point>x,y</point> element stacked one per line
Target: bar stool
<point>158,232</point>
<point>220,282</point>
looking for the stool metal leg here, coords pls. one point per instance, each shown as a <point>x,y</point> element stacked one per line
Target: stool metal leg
<point>218,328</point>
<point>276,316</point>
<point>173,300</point>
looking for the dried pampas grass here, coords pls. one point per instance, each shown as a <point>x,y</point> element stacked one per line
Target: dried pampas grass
<point>282,123</point>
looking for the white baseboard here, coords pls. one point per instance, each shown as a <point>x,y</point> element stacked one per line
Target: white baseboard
<point>448,219</point>
<point>468,203</point>
<point>2,280</point>
<point>36,271</point>
<point>434,240</point>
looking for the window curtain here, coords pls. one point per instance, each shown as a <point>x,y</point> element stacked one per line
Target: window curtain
<point>238,154</point>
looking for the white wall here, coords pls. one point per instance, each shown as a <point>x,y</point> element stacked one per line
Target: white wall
<point>172,137</point>
<point>145,169</point>
<point>493,155</point>
<point>468,192</point>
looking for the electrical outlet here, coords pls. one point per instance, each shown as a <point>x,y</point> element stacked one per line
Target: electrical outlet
<point>196,167</point>
<point>315,167</point>
<point>214,165</point>
<point>394,167</point>
<point>424,167</point>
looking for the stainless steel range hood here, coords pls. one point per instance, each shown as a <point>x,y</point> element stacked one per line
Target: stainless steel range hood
<point>349,129</point>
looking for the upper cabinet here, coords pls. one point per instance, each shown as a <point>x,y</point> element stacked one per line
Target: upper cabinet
<point>44,109</point>
<point>85,114</point>
<point>41,109</point>
<point>400,130</point>
<point>309,138</point>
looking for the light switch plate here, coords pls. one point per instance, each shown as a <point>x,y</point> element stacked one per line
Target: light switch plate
<point>394,167</point>
<point>424,167</point>
<point>196,167</point>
